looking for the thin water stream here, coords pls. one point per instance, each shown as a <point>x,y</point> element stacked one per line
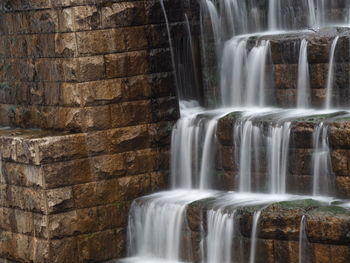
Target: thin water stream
<point>233,32</point>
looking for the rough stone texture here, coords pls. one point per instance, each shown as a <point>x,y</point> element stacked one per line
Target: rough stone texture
<point>299,173</point>
<point>326,229</point>
<point>87,93</point>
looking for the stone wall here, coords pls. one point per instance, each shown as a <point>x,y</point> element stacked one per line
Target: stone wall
<point>299,170</point>
<point>94,78</point>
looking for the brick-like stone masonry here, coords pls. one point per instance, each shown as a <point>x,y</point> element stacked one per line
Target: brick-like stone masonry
<point>87,89</point>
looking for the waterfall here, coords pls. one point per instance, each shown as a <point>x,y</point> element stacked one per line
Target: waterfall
<point>278,148</point>
<point>156,223</point>
<point>323,177</point>
<point>220,235</point>
<point>242,43</point>
<point>303,94</point>
<point>274,14</point>
<point>330,78</point>
<point>243,73</point>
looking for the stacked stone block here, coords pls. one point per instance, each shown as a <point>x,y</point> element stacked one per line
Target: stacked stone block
<point>87,102</point>
<point>299,170</point>
<point>278,235</point>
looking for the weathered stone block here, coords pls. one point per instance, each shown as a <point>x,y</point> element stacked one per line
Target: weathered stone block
<point>101,41</point>
<point>131,113</point>
<point>102,245</point>
<point>92,93</point>
<point>86,18</point>
<point>123,14</point>
<point>91,68</point>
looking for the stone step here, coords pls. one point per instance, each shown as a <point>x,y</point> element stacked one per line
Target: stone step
<point>285,49</point>
<point>326,228</point>
<point>299,169</point>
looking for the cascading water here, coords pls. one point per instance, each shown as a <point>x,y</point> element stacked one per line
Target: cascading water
<point>323,177</point>
<point>303,96</point>
<point>239,67</point>
<point>330,79</point>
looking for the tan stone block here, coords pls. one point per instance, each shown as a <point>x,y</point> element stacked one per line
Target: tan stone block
<point>23,248</point>
<point>17,45</point>
<point>91,93</point>
<point>45,45</point>
<point>17,221</point>
<point>137,88</point>
<point>135,38</point>
<point>96,193</point>
<point>342,186</point>
<point>97,118</point>
<point>108,166</point>
<point>64,250</point>
<point>101,41</point>
<point>51,93</point>
<point>86,18</point>
<point>17,70</point>
<point>59,199</point>
<point>119,140</point>
<point>44,21</point>
<point>131,113</point>
<point>123,14</point>
<point>138,63</point>
<point>134,186</point>
<point>227,156</point>
<point>111,191</point>
<point>340,160</point>
<point>286,251</point>
<point>91,68</point>
<point>66,45</point>
<point>116,65</point>
<point>340,254</point>
<point>67,173</point>
<point>56,69</point>
<point>16,5</point>
<point>101,246</point>
<point>23,198</point>
<point>47,149</point>
<point>21,174</point>
<point>339,135</point>
<point>6,23</point>
<point>142,161</point>
<point>126,139</point>
<point>328,224</point>
<point>63,224</point>
<point>41,226</point>
<point>89,220</point>
<point>66,22</point>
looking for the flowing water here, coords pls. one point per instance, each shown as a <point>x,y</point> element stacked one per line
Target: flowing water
<point>238,79</point>
<point>303,88</point>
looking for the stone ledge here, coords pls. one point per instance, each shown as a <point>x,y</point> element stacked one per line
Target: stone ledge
<point>301,130</point>
<point>90,16</point>
<point>39,147</point>
<point>325,224</point>
<point>86,43</point>
<point>91,93</point>
<point>89,68</point>
<point>91,118</point>
<point>92,247</point>
<point>84,170</point>
<point>86,195</point>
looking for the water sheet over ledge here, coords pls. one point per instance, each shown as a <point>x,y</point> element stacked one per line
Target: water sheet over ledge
<point>271,124</point>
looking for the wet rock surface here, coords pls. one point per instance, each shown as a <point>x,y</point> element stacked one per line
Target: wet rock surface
<point>326,229</point>
<point>87,103</point>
